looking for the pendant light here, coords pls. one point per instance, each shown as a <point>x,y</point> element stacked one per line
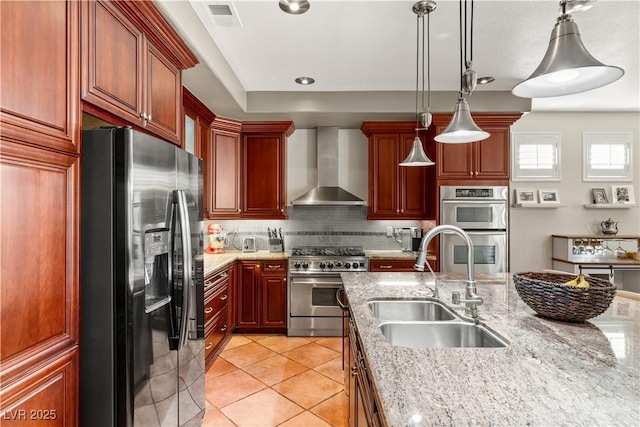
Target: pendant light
<point>462,128</point>
<point>417,156</point>
<point>567,67</point>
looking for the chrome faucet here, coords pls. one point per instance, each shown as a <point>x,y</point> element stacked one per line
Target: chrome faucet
<point>471,298</point>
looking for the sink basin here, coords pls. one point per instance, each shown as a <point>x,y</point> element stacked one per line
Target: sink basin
<point>440,335</point>
<point>410,310</point>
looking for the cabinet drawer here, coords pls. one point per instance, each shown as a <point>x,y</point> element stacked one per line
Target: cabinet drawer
<point>216,303</point>
<point>378,265</point>
<point>214,280</point>
<point>216,331</point>
<point>274,266</point>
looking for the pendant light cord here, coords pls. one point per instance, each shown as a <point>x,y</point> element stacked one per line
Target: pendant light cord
<point>461,69</point>
<point>417,70</point>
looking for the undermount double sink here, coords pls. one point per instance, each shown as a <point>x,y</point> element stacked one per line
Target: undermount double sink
<point>427,323</point>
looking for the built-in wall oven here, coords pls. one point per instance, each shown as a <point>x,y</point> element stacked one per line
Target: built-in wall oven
<point>482,212</point>
<point>314,282</point>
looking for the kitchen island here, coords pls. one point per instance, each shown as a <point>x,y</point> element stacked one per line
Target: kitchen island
<point>551,373</point>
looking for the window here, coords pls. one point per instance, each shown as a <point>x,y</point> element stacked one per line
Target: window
<point>535,156</point>
<point>606,156</point>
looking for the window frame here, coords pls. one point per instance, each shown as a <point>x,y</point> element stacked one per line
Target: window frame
<point>589,138</point>
<point>537,138</point>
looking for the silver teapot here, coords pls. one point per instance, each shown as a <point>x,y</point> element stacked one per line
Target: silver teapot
<point>609,227</point>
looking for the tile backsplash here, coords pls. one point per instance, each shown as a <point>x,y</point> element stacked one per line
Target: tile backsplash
<point>320,226</point>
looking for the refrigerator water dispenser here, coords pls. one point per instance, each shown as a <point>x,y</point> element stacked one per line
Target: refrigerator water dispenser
<point>156,269</point>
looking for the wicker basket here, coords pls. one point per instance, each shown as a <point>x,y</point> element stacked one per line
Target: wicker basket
<point>547,295</point>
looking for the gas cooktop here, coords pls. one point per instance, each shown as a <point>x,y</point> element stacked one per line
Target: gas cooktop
<point>318,251</point>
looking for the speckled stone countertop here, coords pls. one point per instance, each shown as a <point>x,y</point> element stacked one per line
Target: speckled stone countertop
<point>551,374</point>
<point>213,262</point>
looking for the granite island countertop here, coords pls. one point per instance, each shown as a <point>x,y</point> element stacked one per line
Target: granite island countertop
<point>552,373</point>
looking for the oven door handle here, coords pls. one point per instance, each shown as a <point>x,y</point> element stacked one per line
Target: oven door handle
<point>319,283</point>
<point>341,304</point>
<point>499,202</point>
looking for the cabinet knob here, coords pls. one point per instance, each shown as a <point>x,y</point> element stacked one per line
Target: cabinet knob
<point>385,266</point>
<point>397,211</point>
<point>239,210</point>
<point>476,173</point>
<point>224,297</point>
<point>208,310</point>
<point>401,210</point>
<point>354,371</point>
<point>223,329</point>
<point>208,346</point>
<point>149,117</point>
<point>471,173</point>
<point>143,116</point>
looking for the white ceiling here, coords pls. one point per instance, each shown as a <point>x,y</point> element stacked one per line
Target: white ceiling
<point>362,55</point>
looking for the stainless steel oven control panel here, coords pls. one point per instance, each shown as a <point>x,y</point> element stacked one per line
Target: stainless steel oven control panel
<point>327,265</point>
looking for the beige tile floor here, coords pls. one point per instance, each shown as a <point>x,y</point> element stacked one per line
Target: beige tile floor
<point>269,381</point>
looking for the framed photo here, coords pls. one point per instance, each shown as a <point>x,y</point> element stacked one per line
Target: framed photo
<point>599,196</point>
<point>549,196</point>
<point>526,196</point>
<point>623,194</point>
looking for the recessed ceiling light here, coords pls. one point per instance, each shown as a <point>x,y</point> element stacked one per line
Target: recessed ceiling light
<point>305,81</point>
<point>294,7</point>
<point>485,80</point>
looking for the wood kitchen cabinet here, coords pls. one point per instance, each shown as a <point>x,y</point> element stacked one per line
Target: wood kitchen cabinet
<point>218,298</point>
<point>197,133</point>
<point>487,161</point>
<point>262,296</point>
<point>222,170</point>
<point>39,179</point>
<point>398,192</point>
<point>382,265</point>
<point>132,61</point>
<point>264,167</point>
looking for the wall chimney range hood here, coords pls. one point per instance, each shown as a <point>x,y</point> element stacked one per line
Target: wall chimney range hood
<point>328,193</point>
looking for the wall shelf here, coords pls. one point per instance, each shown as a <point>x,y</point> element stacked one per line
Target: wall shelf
<point>539,205</point>
<point>610,206</point>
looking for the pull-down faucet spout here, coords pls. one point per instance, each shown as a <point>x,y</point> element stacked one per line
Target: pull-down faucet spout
<point>471,300</point>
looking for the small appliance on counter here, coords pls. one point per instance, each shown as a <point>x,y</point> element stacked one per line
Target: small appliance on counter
<point>218,239</point>
<point>249,244</point>
<point>416,237</point>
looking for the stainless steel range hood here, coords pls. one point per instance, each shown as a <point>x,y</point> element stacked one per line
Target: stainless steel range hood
<point>328,193</point>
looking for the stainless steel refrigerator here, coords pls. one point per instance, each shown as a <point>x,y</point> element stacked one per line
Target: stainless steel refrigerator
<point>142,285</point>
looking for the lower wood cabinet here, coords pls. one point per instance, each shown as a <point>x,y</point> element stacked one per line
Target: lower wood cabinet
<point>218,288</point>
<point>378,265</point>
<point>262,296</point>
<point>363,408</point>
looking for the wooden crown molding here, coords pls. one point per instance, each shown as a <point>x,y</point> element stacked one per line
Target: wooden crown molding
<point>285,128</point>
<point>193,103</point>
<point>228,125</point>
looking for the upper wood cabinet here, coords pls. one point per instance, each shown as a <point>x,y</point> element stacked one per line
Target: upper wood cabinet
<point>398,192</point>
<point>39,63</point>
<point>130,67</point>
<point>222,170</point>
<point>198,132</point>
<point>487,160</point>
<point>264,166</point>
<point>39,193</point>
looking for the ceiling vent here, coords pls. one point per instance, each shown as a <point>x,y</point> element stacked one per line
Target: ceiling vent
<point>224,14</point>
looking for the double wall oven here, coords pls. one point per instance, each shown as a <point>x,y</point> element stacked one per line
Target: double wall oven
<point>314,283</point>
<point>483,213</point>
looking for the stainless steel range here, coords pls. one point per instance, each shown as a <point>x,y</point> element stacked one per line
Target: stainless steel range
<point>314,281</point>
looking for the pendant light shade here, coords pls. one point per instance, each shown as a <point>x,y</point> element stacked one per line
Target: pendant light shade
<point>417,156</point>
<point>567,67</point>
<point>462,128</point>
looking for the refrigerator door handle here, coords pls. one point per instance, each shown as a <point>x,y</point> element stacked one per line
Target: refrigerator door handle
<point>185,228</point>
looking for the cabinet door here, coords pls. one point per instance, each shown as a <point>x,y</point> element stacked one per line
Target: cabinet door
<point>248,294</point>
<point>454,161</point>
<point>233,297</point>
<point>274,300</point>
<point>39,65</point>
<point>492,160</point>
<point>113,61</point>
<point>383,177</point>
<point>263,172</point>
<point>164,96</point>
<point>413,183</point>
<point>223,175</point>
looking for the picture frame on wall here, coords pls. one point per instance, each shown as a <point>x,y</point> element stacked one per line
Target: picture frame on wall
<point>599,196</point>
<point>548,196</point>
<point>623,194</point>
<point>526,196</point>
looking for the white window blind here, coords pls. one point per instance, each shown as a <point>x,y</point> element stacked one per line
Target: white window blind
<point>607,156</point>
<point>535,157</point>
